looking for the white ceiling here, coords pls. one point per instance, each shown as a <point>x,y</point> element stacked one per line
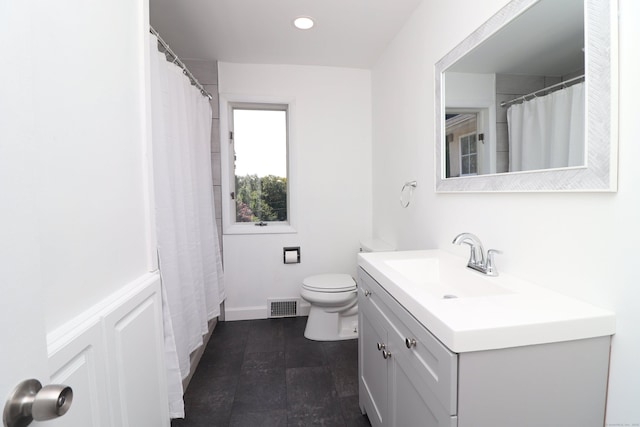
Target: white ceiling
<point>348,33</point>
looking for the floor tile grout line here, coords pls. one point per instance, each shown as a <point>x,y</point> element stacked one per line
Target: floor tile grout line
<point>330,367</point>
<point>235,392</point>
<point>286,385</point>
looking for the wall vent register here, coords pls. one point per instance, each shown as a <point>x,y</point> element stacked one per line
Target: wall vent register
<point>283,308</point>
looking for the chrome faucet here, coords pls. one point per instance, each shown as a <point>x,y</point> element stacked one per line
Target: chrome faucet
<point>477,259</point>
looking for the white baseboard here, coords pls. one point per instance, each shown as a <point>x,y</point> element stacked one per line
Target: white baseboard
<point>257,312</point>
<point>245,313</point>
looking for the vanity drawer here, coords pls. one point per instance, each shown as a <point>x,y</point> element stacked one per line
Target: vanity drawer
<point>434,365</point>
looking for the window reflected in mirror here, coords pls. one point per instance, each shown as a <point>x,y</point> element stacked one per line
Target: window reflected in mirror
<point>462,149</point>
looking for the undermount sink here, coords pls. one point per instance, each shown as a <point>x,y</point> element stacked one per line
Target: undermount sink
<point>469,311</point>
<point>446,282</point>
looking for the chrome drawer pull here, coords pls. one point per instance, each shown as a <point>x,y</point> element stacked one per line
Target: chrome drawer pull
<point>386,354</point>
<point>410,342</point>
<point>380,346</point>
<point>367,292</point>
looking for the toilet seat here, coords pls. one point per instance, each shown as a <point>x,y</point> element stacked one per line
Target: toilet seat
<point>329,283</point>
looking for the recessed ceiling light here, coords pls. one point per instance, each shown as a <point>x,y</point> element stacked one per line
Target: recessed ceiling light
<point>303,23</point>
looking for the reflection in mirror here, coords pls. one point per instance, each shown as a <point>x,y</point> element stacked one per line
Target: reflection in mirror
<point>523,74</point>
<point>462,135</point>
<point>511,100</point>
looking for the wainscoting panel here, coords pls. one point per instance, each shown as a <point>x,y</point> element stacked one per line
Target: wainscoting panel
<point>77,360</point>
<point>135,345</point>
<point>113,358</point>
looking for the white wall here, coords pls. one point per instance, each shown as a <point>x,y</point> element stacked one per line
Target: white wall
<point>332,137</point>
<point>584,245</point>
<point>91,133</point>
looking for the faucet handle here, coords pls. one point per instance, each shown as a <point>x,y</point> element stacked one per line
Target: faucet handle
<point>490,263</point>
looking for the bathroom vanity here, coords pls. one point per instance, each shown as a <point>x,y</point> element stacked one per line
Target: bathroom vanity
<point>441,345</point>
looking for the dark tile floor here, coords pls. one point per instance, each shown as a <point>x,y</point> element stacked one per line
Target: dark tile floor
<point>266,373</point>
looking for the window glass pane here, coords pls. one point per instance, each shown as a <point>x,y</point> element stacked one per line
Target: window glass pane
<point>260,144</point>
<point>468,154</point>
<point>464,145</point>
<point>465,165</point>
<point>473,163</point>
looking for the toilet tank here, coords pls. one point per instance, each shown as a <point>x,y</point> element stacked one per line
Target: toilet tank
<point>375,245</point>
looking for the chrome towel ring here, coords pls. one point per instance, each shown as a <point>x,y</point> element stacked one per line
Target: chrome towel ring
<point>407,192</point>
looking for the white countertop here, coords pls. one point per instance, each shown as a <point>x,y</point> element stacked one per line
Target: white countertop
<point>489,312</point>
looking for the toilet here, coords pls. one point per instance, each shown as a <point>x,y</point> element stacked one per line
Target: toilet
<point>333,315</point>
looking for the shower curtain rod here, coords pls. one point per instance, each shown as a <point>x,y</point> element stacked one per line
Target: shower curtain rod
<point>524,97</point>
<point>180,64</point>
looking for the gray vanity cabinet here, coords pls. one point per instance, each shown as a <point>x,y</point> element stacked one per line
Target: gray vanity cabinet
<point>406,377</point>
<point>372,367</point>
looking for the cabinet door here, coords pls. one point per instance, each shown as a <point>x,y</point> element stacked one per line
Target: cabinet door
<point>373,367</point>
<point>432,364</point>
<point>429,359</point>
<point>412,402</point>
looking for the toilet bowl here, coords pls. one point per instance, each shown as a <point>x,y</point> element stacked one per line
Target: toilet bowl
<point>333,298</point>
<point>334,307</point>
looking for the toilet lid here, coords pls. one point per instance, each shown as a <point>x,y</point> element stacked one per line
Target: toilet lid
<point>329,283</point>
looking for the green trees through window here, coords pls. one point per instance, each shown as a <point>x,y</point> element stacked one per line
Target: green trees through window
<point>261,198</point>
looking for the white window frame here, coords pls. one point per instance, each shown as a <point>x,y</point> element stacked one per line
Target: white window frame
<point>229,224</point>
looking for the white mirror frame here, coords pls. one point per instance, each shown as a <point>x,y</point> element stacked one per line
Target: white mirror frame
<point>601,57</point>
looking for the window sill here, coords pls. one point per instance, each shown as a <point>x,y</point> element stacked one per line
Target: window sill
<point>251,228</point>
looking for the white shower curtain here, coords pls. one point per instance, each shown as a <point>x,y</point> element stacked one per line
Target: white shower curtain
<point>548,131</point>
<point>187,236</point>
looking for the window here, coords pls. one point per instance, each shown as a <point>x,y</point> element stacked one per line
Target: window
<point>468,155</point>
<point>258,166</point>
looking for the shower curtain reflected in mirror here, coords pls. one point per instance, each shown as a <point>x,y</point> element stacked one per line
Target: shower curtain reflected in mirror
<point>548,131</point>
<point>187,236</point>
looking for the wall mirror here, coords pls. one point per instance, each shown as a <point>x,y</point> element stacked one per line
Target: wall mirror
<point>528,102</point>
